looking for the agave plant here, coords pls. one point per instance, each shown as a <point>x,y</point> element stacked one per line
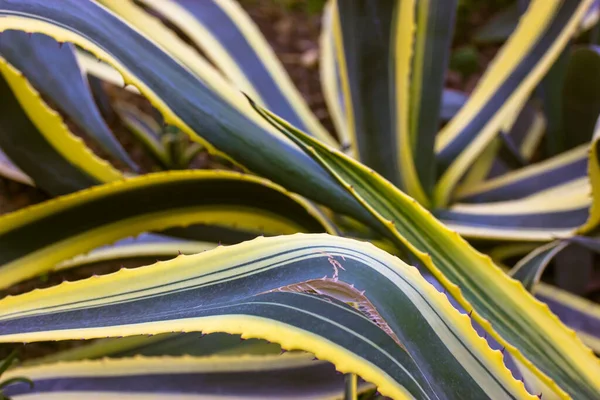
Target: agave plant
<point>457,326</point>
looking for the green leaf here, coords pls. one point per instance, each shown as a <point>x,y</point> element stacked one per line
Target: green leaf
<point>529,270</point>
<point>532,335</point>
<point>146,130</point>
<point>34,239</point>
<point>434,31</point>
<point>36,139</point>
<point>552,89</point>
<point>404,336</point>
<point>542,33</point>
<point>240,377</point>
<point>567,170</point>
<point>164,344</point>
<point>52,69</point>
<point>234,44</point>
<point>207,106</point>
<point>363,42</point>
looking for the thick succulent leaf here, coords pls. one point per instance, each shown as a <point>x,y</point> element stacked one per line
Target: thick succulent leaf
<point>408,339</point>
<point>525,132</point>
<point>145,129</point>
<point>435,21</point>
<point>33,240</point>
<point>187,102</point>
<point>574,311</point>
<point>529,269</point>
<point>36,139</point>
<point>164,344</point>
<point>534,337</point>
<point>9,170</point>
<point>581,96</point>
<point>295,376</point>
<point>363,45</point>
<point>499,28</point>
<point>594,175</point>
<point>452,100</point>
<point>568,168</point>
<point>146,245</point>
<point>556,212</point>
<point>394,53</point>
<point>329,74</point>
<point>53,70</point>
<point>543,32</point>
<point>232,41</point>
<point>577,312</point>
<point>92,66</point>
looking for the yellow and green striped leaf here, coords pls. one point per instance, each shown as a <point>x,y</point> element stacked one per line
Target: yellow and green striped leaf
<point>146,245</point>
<point>530,268</point>
<point>37,140</point>
<point>534,337</point>
<point>391,59</point>
<point>435,21</point>
<point>403,336</point>
<point>232,41</point>
<point>34,239</point>
<point>186,101</point>
<point>542,33</point>
<point>288,376</point>
<point>552,213</point>
<point>52,69</point>
<point>578,313</point>
<point>164,344</point>
<point>567,169</point>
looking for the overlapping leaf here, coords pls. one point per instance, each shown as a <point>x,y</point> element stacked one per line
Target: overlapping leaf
<point>266,376</point>
<point>535,337</point>
<point>404,336</point>
<point>33,240</point>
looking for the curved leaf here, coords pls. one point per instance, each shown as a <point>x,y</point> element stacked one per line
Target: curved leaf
<point>557,212</point>
<point>564,169</point>
<point>529,270</point>
<point>34,239</point>
<point>500,305</point>
<point>408,339</point>
<point>11,171</point>
<point>433,36</point>
<point>363,44</point>
<point>252,377</point>
<point>165,344</point>
<point>187,102</point>
<point>37,140</point>
<point>52,69</point>
<point>542,33</point>
<point>233,42</point>
<point>144,246</point>
<point>145,129</point>
<point>577,312</point>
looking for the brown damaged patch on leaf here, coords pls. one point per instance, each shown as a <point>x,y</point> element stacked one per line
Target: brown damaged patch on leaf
<point>344,292</point>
